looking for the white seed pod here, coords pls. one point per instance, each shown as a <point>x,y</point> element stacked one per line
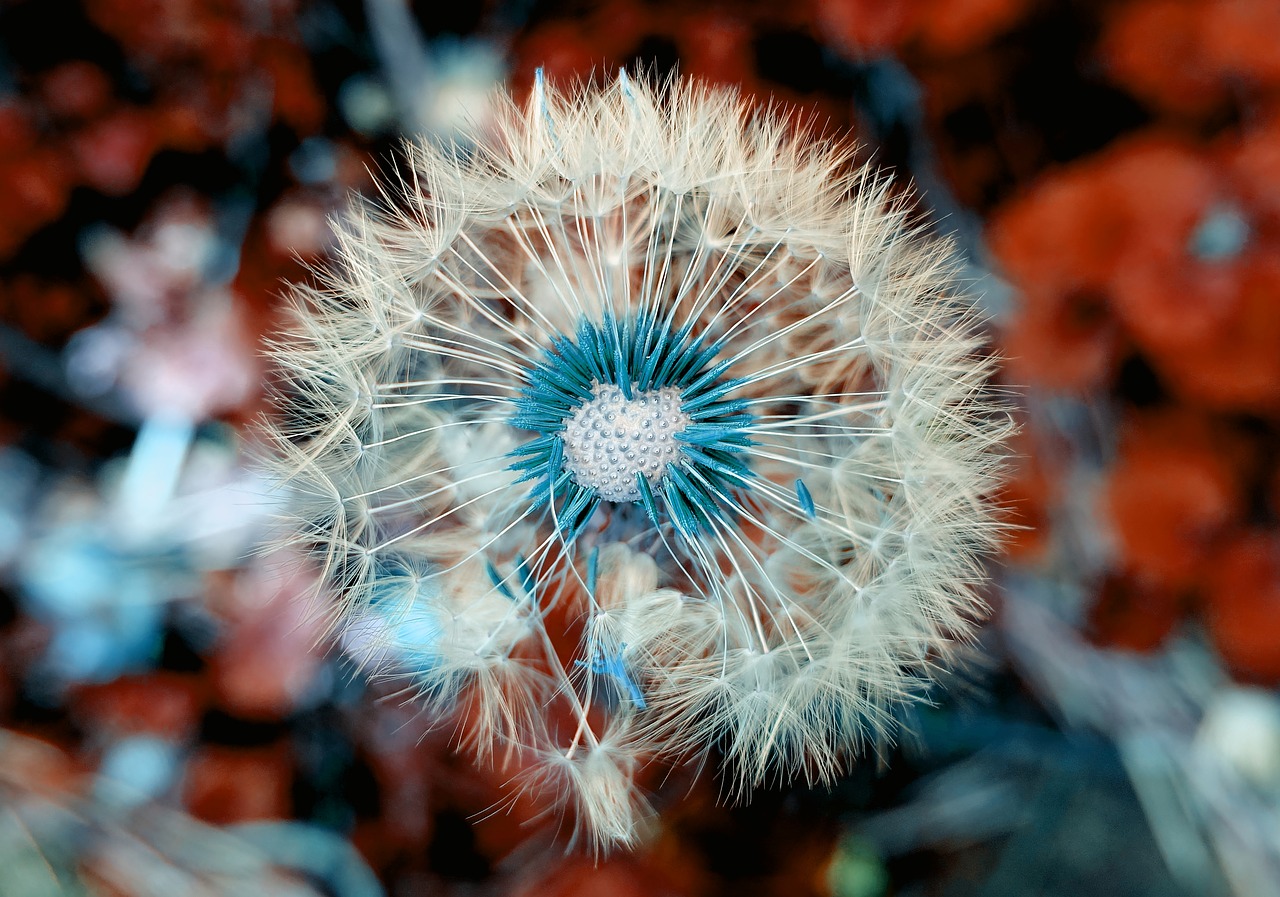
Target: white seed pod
<point>649,375</point>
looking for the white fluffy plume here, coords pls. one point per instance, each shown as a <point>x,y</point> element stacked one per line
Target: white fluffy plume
<point>784,562</point>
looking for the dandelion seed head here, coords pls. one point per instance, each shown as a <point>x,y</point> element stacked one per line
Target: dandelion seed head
<point>661,427</point>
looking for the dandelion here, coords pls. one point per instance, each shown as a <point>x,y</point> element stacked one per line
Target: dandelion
<point>648,429</point>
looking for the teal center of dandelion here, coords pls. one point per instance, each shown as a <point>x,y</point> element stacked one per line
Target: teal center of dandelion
<point>635,410</point>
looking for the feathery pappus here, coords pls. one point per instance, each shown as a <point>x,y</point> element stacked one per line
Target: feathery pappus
<point>647,429</point>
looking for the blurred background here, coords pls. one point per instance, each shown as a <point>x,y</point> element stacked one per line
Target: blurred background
<point>1111,171</point>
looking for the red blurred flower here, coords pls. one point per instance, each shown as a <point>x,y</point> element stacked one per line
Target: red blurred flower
<point>1154,48</point>
<point>1190,56</point>
<point>1244,605</point>
<point>1060,244</point>
<point>168,705</point>
<point>1170,495</point>
<point>1135,615</point>
<point>1236,365</point>
<point>75,90</point>
<point>112,153</point>
<point>866,27</point>
<point>228,785</point>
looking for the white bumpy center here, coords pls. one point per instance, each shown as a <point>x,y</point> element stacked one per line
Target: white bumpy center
<point>611,438</point>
